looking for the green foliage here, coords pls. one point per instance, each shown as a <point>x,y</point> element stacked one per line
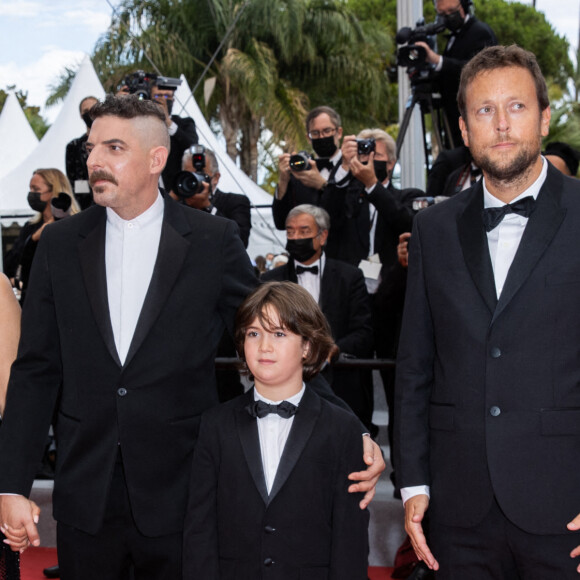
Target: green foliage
<point>37,122</point>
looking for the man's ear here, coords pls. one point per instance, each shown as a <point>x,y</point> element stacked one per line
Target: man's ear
<point>158,157</point>
<point>464,133</point>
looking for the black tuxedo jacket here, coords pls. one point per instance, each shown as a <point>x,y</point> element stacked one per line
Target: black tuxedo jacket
<point>236,207</point>
<point>349,210</point>
<point>151,405</point>
<point>473,37</point>
<point>184,137</point>
<point>488,390</point>
<point>296,194</point>
<point>308,527</point>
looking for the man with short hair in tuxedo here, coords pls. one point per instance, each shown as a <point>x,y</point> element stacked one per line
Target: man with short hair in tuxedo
<point>324,131</point>
<point>488,396</point>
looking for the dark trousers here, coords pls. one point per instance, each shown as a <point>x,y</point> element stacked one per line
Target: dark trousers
<point>496,549</point>
<point>118,551</point>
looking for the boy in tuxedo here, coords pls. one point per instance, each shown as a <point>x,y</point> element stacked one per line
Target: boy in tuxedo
<point>268,493</point>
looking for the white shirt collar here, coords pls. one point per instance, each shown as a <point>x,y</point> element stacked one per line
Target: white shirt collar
<point>151,214</point>
<point>294,399</point>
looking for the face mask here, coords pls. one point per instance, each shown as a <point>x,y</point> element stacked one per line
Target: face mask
<point>301,250</point>
<point>381,170</point>
<point>169,106</point>
<point>454,21</point>
<point>324,147</point>
<point>35,202</point>
<point>87,119</point>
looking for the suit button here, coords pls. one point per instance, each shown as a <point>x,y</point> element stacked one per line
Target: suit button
<point>495,411</point>
<point>268,562</point>
<point>269,529</point>
<point>122,392</point>
<point>495,352</point>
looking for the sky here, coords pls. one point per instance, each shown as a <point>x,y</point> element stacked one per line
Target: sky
<point>39,38</point>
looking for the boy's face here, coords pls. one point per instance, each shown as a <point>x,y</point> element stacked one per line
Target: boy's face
<point>274,356</point>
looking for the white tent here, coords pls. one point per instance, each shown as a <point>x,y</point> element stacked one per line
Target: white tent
<point>264,237</point>
<point>50,151</point>
<point>17,139</point>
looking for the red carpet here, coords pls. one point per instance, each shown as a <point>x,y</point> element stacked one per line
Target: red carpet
<point>34,560</point>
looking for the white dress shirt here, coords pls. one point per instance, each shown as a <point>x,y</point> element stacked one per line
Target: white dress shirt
<point>131,248</point>
<point>503,242</point>
<point>273,432</point>
<point>311,282</point>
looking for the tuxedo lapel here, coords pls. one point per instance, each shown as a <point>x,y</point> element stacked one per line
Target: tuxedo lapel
<point>173,249</point>
<point>291,270</point>
<point>540,230</point>
<point>302,427</point>
<point>325,290</point>
<point>474,245</point>
<point>248,432</point>
<point>92,259</point>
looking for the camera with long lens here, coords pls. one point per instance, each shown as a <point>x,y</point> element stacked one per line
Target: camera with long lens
<point>300,161</point>
<point>140,82</point>
<point>189,183</point>
<point>412,56</point>
<point>365,146</point>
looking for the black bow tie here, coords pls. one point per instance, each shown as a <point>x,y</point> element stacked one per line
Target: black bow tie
<point>324,164</point>
<point>260,409</point>
<point>492,216</point>
<point>309,270</point>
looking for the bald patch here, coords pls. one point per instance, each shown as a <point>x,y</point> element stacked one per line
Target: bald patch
<point>152,132</point>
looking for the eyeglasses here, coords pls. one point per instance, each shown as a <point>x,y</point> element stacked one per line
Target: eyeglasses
<point>166,97</point>
<point>328,132</point>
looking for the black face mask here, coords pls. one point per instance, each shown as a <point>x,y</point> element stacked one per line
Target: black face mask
<point>324,147</point>
<point>301,250</point>
<point>381,170</point>
<point>454,21</point>
<point>87,119</point>
<point>35,202</point>
<point>169,106</point>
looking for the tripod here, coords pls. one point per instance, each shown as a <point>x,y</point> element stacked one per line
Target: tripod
<point>429,104</point>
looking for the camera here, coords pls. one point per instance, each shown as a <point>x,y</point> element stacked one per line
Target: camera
<point>140,82</point>
<point>300,161</point>
<point>365,146</point>
<point>188,183</point>
<point>413,56</point>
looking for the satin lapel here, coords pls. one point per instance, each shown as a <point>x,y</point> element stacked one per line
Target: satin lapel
<point>291,271</point>
<point>540,231</point>
<point>304,422</point>
<point>173,249</point>
<point>248,431</point>
<point>474,245</point>
<point>325,290</point>
<point>92,259</point>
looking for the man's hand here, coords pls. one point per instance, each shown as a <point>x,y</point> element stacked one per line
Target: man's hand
<point>432,57</point>
<point>415,508</point>
<point>403,249</point>
<point>364,173</point>
<point>349,151</point>
<point>574,525</point>
<point>18,517</point>
<point>368,479</point>
<point>311,177</point>
<point>283,174</point>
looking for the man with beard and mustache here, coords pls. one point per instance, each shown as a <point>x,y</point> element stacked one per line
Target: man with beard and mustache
<point>487,426</point>
<point>324,131</point>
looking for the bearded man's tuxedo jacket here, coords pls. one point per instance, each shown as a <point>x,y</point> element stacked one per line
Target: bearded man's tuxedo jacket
<point>150,406</point>
<point>307,527</point>
<point>488,389</point>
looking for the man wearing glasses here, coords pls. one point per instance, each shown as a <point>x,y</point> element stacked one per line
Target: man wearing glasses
<point>468,37</point>
<point>324,130</point>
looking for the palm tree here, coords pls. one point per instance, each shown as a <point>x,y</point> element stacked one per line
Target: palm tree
<point>280,57</point>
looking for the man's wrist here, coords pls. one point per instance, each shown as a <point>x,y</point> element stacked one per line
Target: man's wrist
<point>408,492</point>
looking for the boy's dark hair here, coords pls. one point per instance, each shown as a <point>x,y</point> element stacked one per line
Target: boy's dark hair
<point>495,57</point>
<point>298,313</point>
<point>126,107</point>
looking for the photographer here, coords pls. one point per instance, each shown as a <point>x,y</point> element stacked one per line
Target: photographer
<point>76,158</point>
<point>233,206</point>
<point>468,37</point>
<point>182,132</point>
<point>304,182</point>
